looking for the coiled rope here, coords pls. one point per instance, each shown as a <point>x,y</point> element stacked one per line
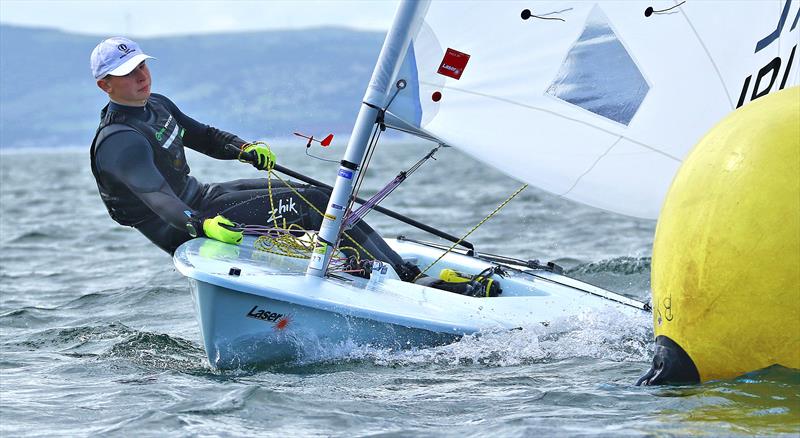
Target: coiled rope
<point>293,240</point>
<point>282,240</point>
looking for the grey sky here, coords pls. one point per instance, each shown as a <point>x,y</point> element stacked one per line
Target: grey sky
<point>171,17</point>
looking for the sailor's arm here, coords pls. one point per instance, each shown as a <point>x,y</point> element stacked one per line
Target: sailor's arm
<point>206,139</point>
<point>128,157</point>
<point>214,142</point>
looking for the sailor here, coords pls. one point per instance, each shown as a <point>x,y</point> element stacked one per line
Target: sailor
<point>139,164</point>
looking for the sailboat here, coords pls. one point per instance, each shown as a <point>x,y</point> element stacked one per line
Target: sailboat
<point>597,102</point>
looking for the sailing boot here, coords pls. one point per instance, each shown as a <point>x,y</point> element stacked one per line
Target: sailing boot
<point>481,285</point>
<point>407,271</point>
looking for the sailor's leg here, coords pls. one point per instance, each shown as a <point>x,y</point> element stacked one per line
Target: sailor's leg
<point>374,244</point>
<point>280,208</point>
<point>217,190</point>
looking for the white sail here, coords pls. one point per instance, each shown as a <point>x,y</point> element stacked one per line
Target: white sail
<point>595,101</point>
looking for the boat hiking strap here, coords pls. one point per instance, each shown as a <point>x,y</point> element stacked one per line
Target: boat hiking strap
<point>499,207</point>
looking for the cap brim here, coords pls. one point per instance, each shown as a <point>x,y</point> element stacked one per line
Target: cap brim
<point>128,66</point>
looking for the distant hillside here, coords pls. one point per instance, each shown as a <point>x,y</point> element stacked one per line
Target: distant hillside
<point>255,84</point>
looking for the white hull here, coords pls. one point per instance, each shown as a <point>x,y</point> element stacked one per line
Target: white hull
<point>272,312</point>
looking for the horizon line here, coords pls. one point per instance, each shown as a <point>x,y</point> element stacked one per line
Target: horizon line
<point>182,34</point>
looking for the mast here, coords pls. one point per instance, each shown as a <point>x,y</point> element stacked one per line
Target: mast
<point>409,15</point>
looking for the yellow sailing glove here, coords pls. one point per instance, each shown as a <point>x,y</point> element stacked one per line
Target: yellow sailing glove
<point>220,228</point>
<point>263,157</point>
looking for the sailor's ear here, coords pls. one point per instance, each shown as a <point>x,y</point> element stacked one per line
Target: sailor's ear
<point>104,85</point>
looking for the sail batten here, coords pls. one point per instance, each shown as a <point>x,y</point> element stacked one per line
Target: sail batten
<point>710,59</point>
<point>578,180</point>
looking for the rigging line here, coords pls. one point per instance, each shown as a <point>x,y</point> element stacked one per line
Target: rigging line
<point>362,171</point>
<point>557,12</point>
<point>489,216</point>
<point>362,175</point>
<point>351,200</point>
<point>320,158</point>
<point>272,201</point>
<point>526,14</point>
<point>293,189</point>
<point>380,126</point>
<point>708,54</point>
<point>591,167</point>
<point>383,193</point>
<point>650,11</point>
<point>607,131</point>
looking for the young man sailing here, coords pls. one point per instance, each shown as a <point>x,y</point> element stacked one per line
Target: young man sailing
<point>139,164</point>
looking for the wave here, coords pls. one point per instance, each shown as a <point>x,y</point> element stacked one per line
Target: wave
<point>81,338</point>
<point>27,317</point>
<point>607,336</point>
<point>617,265</point>
<point>118,342</point>
<point>159,351</point>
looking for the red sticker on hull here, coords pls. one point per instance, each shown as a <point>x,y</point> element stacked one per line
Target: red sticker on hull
<point>282,323</point>
<point>453,64</point>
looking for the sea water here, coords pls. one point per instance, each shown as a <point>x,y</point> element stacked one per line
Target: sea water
<point>98,334</point>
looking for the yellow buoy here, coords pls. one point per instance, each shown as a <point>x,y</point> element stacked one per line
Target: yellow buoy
<point>726,256</point>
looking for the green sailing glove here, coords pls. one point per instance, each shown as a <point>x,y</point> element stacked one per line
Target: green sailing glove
<point>265,158</point>
<point>220,228</point>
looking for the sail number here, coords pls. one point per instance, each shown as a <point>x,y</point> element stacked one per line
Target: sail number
<point>769,73</point>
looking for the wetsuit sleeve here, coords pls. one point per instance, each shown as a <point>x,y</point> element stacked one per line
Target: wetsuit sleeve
<point>205,139</point>
<point>127,157</point>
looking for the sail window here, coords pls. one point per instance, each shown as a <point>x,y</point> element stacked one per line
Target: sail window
<point>599,75</point>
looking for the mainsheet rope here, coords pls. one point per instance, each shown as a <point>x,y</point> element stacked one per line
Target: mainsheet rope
<point>499,207</point>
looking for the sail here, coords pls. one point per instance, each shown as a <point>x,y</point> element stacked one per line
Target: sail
<point>598,102</point>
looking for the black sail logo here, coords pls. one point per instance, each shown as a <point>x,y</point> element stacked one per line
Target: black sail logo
<point>768,74</point>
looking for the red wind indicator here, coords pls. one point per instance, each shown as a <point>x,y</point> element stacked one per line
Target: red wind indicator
<point>325,141</point>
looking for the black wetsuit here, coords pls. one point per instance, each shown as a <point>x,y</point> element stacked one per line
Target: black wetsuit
<point>138,161</point>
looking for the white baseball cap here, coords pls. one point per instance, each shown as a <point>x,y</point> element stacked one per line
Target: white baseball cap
<point>116,56</point>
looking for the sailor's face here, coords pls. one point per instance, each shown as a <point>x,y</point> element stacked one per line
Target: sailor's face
<point>131,89</point>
